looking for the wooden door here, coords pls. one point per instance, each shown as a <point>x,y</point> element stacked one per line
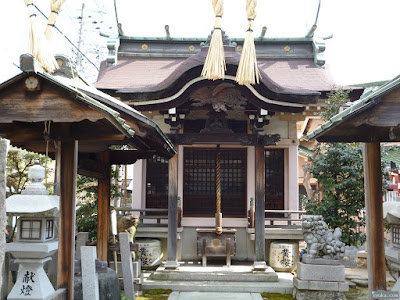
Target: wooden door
<point>274,179</point>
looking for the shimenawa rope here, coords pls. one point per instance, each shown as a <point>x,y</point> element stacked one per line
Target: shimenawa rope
<point>214,65</point>
<point>55,6</point>
<point>39,46</point>
<point>247,72</point>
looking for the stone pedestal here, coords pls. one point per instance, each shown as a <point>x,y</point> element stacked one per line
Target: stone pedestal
<point>32,281</point>
<point>320,282</point>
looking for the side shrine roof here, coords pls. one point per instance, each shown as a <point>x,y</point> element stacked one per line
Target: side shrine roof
<point>139,131</point>
<point>372,118</point>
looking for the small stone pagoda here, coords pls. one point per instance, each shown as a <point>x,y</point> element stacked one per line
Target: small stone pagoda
<point>36,236</point>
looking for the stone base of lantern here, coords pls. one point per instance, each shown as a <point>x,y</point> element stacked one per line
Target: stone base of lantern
<point>32,281</point>
<point>392,255</point>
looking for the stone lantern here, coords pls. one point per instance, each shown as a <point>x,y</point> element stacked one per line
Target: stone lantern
<point>35,237</point>
<point>391,215</point>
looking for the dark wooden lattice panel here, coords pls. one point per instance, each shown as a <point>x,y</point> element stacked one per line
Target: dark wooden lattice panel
<point>157,183</point>
<point>200,182</point>
<point>274,179</point>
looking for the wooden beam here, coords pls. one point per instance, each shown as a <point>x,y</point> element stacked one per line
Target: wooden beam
<point>103,209</point>
<point>44,106</point>
<point>66,242</point>
<point>172,262</point>
<point>260,207</point>
<point>374,211</point>
<point>127,157</point>
<point>92,167</point>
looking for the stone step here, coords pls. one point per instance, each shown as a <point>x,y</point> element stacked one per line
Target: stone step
<point>215,276</point>
<point>282,286</point>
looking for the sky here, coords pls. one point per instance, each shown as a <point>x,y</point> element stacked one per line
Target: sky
<point>363,47</point>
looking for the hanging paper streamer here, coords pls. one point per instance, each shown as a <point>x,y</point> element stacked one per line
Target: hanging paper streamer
<point>248,72</point>
<point>55,7</point>
<point>39,46</point>
<point>214,65</point>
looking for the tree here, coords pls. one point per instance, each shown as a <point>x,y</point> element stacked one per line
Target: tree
<point>338,167</point>
<point>339,170</point>
<point>87,189</point>
<point>18,163</point>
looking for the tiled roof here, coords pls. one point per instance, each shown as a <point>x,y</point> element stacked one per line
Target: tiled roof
<point>144,72</point>
<point>298,74</point>
<point>136,72</point>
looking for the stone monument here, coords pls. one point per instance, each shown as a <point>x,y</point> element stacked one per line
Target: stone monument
<point>36,237</point>
<point>320,275</point>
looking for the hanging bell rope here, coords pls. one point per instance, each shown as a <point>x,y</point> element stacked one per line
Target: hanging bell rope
<point>247,72</point>
<point>214,65</point>
<point>55,7</point>
<point>39,46</point>
<point>218,214</point>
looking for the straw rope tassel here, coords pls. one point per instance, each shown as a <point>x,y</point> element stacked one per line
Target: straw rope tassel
<point>39,47</point>
<point>214,65</point>
<point>55,7</point>
<point>248,72</point>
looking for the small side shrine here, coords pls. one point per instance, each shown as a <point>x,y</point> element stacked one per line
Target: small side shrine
<point>36,237</point>
<point>372,119</point>
<point>77,125</point>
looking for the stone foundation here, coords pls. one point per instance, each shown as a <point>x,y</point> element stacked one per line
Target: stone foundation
<point>307,295</point>
<point>320,282</point>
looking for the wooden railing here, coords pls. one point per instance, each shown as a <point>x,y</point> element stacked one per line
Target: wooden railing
<point>391,196</point>
<point>283,218</point>
<point>147,216</point>
<point>289,219</point>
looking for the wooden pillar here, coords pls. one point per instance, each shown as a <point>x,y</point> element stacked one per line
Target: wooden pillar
<point>66,241</point>
<point>259,263</point>
<point>172,262</point>
<point>374,212</point>
<point>103,209</point>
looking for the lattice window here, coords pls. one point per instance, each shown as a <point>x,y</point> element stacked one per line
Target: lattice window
<point>200,182</point>
<point>49,229</point>
<point>396,236</point>
<point>157,183</point>
<point>31,229</point>
<point>274,178</point>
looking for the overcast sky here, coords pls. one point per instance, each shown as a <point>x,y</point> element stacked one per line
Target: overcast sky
<point>364,46</point>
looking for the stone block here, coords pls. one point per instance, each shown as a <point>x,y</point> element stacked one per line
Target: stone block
<point>318,295</point>
<point>320,261</point>
<point>108,286</point>
<point>320,285</point>
<point>127,268</point>
<point>320,272</point>
<point>81,239</point>
<point>90,280</point>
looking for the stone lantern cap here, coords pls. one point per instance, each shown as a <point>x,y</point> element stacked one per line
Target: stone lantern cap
<point>35,199</point>
<point>391,212</point>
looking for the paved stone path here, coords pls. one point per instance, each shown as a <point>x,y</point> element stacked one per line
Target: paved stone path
<point>213,296</point>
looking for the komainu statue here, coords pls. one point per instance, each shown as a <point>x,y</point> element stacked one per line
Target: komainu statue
<point>321,242</point>
<point>128,224</point>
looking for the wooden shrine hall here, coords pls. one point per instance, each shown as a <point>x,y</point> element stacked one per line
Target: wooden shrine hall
<point>77,124</point>
<point>249,134</point>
